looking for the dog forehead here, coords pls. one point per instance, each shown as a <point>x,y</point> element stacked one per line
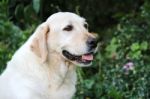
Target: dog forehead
<point>64,18</point>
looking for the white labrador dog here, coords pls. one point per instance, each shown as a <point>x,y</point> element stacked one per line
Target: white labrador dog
<point>44,67</point>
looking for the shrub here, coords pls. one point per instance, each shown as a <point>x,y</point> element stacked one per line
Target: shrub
<point>111,76</point>
<point>11,36</point>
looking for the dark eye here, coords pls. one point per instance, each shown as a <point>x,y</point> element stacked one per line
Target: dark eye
<point>86,26</point>
<point>68,28</point>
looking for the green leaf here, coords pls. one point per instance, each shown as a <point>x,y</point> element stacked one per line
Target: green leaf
<point>30,14</point>
<point>113,46</point>
<point>136,54</point>
<point>89,83</point>
<point>135,46</point>
<point>19,12</point>
<point>144,45</point>
<point>114,93</point>
<point>36,5</point>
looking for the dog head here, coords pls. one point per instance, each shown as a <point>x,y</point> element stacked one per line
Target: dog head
<point>67,34</point>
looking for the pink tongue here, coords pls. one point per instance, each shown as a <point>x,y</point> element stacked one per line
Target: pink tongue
<point>87,57</point>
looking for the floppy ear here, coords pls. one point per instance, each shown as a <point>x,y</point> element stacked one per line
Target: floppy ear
<point>39,42</point>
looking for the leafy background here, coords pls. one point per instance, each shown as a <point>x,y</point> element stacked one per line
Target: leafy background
<point>124,29</point>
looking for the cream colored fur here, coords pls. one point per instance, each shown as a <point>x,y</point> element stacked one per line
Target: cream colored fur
<point>38,70</point>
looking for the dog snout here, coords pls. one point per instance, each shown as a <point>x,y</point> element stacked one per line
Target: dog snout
<point>92,43</point>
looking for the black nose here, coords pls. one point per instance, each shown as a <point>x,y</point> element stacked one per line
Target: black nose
<point>92,43</point>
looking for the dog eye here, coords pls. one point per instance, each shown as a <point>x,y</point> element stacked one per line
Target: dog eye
<point>68,28</point>
<point>86,26</point>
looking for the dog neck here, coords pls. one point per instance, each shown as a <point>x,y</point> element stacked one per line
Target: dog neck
<point>63,69</point>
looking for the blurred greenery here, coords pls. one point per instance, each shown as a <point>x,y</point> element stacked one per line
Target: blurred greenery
<point>124,28</point>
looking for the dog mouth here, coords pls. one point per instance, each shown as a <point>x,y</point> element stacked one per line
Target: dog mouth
<point>84,59</point>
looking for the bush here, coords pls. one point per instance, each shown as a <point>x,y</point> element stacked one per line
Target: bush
<point>111,76</point>
<point>11,36</point>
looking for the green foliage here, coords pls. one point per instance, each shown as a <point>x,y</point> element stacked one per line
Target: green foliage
<point>124,27</point>
<point>36,5</point>
<point>129,41</point>
<point>11,36</point>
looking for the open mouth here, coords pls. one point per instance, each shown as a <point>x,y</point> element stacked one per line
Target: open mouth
<point>84,59</point>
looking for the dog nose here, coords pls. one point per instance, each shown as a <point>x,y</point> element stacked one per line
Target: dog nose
<point>92,42</point>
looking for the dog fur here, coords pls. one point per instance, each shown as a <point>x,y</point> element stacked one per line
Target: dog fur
<point>38,70</point>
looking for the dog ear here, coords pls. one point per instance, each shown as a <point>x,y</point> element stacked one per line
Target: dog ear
<point>39,42</point>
